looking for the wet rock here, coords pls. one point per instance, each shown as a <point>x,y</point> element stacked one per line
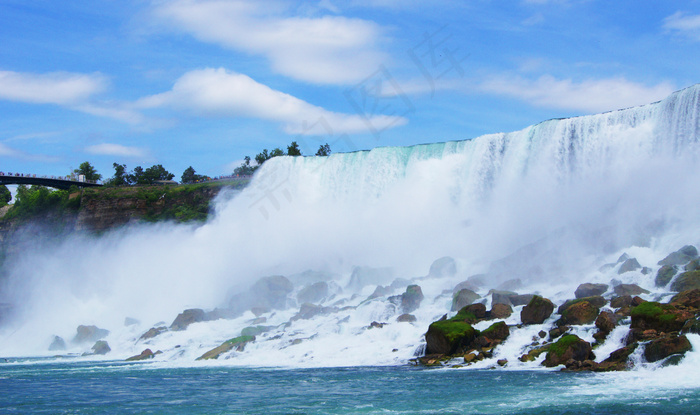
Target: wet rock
<point>128,321</point>
<point>406,318</point>
<point>621,301</point>
<point>596,301</point>
<point>501,297</point>
<point>463,298</point>
<point>469,285</point>
<point>566,348</point>
<point>686,281</point>
<point>493,335</point>
<point>693,265</point>
<point>502,362</point>
<point>187,317</point>
<point>691,326</point>
<point>153,332</point>
<point>376,325</point>
<point>629,265</point>
<point>443,267</point>
<point>536,311</point>
<point>581,312</point>
<point>101,347</point>
<point>500,311</point>
<point>533,354</point>
<point>380,291</point>
<point>606,321</point>
<point>57,344</point>
<point>542,334</point>
<point>221,313</point>
<point>629,289</point>
<point>558,332</point>
<point>659,317</point>
<point>520,299</point>
<point>308,311</point>
<point>680,257</point>
<point>89,334</point>
<point>411,299</point>
<point>258,311</point>
<point>618,360</point>
<point>145,355</point>
<point>449,336</point>
<point>510,285</point>
<point>689,298</point>
<point>665,275</point>
<point>271,292</point>
<point>664,347</point>
<point>474,312</point>
<point>624,257</point>
<point>237,343</point>
<point>590,290</point>
<point>313,293</point>
<point>252,331</point>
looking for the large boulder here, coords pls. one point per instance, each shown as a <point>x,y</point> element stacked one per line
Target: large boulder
<point>463,298</point>
<point>89,334</point>
<point>443,267</point>
<point>536,311</point>
<point>237,344</point>
<point>153,332</point>
<point>581,312</point>
<point>665,275</point>
<point>308,311</point>
<point>664,347</point>
<point>187,317</point>
<point>406,318</point>
<point>680,257</point>
<point>271,292</point>
<point>595,300</point>
<point>621,301</point>
<point>606,321</point>
<point>686,281</point>
<point>568,347</point>
<point>468,284</point>
<point>588,290</point>
<point>651,315</point>
<point>618,360</point>
<point>629,265</point>
<point>496,333</point>
<point>362,276</point>
<point>101,347</point>
<point>449,336</point>
<point>313,293</point>
<point>499,310</point>
<point>629,289</point>
<point>411,298</point>
<point>689,298</point>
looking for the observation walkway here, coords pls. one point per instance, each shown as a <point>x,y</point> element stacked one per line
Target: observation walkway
<point>56,182</point>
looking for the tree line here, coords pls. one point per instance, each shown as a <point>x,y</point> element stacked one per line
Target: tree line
<point>245,169</point>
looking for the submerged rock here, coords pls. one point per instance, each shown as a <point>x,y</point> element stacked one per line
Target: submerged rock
<point>187,317</point>
<point>569,347</point>
<point>590,289</point>
<point>680,257</point>
<point>237,343</point>
<point>463,298</point>
<point>88,334</point>
<point>686,281</point>
<point>536,311</point>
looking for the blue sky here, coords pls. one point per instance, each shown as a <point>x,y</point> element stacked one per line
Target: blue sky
<point>205,83</point>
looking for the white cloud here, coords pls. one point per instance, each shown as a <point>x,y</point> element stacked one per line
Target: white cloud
<point>6,151</point>
<point>588,96</point>
<point>59,88</point>
<point>324,50</point>
<point>109,149</point>
<point>219,93</point>
<point>687,25</point>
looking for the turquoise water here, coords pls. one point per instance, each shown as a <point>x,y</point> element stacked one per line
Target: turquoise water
<point>120,388</point>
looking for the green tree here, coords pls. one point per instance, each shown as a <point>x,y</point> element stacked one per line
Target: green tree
<point>190,176</point>
<point>324,150</point>
<point>5,195</point>
<point>88,171</point>
<point>293,149</point>
<point>120,178</point>
<point>245,169</point>
<point>137,176</point>
<point>276,152</point>
<point>157,172</point>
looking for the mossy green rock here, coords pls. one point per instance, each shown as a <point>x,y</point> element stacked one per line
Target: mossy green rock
<point>237,343</point>
<point>582,312</point>
<point>496,331</point>
<point>659,317</point>
<point>566,348</point>
<point>449,336</point>
<point>686,281</point>
<point>664,347</point>
<point>689,298</point>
